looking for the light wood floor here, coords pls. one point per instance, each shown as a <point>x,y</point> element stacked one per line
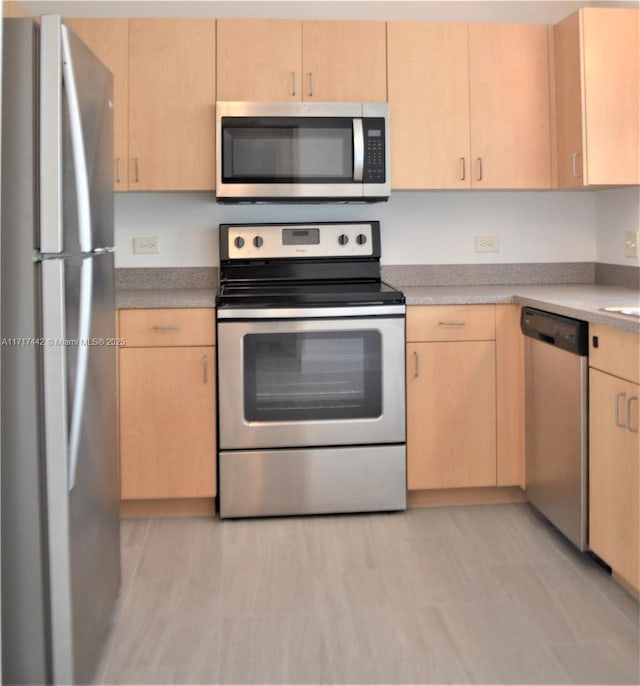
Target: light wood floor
<point>486,594</point>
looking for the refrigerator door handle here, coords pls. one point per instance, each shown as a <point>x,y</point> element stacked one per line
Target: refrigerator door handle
<point>77,146</point>
<point>84,331</point>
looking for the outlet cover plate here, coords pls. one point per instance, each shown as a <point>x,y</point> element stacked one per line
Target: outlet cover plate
<point>147,245</point>
<point>631,243</point>
<point>487,243</point>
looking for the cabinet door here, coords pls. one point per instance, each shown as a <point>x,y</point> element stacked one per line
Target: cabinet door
<point>611,95</point>
<point>344,61</point>
<point>568,102</point>
<point>509,94</point>
<point>259,59</point>
<point>509,397</point>
<point>451,414</point>
<point>614,476</point>
<point>108,39</point>
<point>167,422</point>
<point>428,74</point>
<point>172,104</point>
<point>13,10</point>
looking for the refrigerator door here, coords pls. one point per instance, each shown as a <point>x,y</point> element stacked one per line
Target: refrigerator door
<point>76,111</point>
<point>83,524</point>
<point>78,328</point>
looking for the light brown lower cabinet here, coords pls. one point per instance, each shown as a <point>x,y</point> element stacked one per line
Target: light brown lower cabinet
<point>167,404</point>
<point>614,451</point>
<point>465,398</point>
<point>451,414</point>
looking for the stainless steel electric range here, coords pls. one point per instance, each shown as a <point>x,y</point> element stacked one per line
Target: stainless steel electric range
<point>311,372</point>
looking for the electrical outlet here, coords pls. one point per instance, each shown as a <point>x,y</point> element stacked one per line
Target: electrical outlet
<point>631,243</point>
<point>487,243</point>
<point>145,246</point>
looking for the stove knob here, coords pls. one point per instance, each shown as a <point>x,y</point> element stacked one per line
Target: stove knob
<point>361,239</point>
<point>257,241</point>
<point>238,241</point>
<point>343,239</point>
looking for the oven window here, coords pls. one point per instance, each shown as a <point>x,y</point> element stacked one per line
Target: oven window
<point>312,376</point>
<point>287,151</point>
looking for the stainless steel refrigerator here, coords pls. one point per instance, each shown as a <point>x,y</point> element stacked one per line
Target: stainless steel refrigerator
<point>60,526</point>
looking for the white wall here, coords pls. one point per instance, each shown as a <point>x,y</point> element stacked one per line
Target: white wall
<point>417,227</point>
<point>527,11</point>
<point>617,211</point>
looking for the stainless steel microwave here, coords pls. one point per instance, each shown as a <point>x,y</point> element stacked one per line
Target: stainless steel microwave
<point>293,152</point>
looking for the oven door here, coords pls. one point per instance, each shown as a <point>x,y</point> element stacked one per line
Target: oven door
<point>311,381</point>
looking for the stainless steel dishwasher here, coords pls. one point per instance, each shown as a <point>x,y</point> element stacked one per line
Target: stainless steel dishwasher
<point>556,430</point>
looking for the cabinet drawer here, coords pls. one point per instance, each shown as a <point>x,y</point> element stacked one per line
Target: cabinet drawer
<point>167,327</point>
<point>618,352</point>
<point>451,323</point>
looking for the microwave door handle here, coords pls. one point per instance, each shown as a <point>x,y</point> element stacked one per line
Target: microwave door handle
<point>358,150</point>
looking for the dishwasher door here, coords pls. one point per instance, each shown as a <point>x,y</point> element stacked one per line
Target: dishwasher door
<point>556,431</point>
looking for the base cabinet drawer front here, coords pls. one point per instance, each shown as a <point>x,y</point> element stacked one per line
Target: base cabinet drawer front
<point>451,414</point>
<point>614,473</point>
<point>615,351</point>
<point>451,323</point>
<point>167,422</point>
<point>167,327</point>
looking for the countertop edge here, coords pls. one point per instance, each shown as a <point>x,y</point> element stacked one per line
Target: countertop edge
<point>581,301</point>
<point>161,298</point>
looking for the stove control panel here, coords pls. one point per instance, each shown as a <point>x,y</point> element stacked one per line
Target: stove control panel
<point>269,241</point>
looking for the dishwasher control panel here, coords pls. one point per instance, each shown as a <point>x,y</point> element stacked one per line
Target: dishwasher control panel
<point>562,332</point>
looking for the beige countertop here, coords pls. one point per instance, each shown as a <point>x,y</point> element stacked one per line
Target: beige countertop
<point>152,298</point>
<point>582,301</point>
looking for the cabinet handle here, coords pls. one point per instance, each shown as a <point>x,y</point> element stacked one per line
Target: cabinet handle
<point>205,364</point>
<point>118,166</point>
<point>629,413</point>
<point>136,163</point>
<point>293,83</point>
<point>479,162</point>
<point>416,368</point>
<point>310,84</point>
<point>574,165</point>
<point>463,169</point>
<point>158,327</point>
<point>451,323</point>
<point>618,424</point>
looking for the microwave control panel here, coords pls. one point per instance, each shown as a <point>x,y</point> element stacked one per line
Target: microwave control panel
<point>374,150</point>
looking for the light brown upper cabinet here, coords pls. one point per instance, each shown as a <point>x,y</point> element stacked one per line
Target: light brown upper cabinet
<point>171,104</point>
<point>280,60</point>
<point>259,59</point>
<point>13,10</point>
<point>596,59</point>
<point>429,100</point>
<point>469,105</point>
<point>108,39</point>
<point>344,61</point>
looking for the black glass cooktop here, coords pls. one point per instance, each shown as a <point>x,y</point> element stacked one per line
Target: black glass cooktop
<point>300,294</point>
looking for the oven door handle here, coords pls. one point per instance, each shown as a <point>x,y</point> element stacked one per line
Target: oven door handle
<point>311,312</point>
<point>358,150</point>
